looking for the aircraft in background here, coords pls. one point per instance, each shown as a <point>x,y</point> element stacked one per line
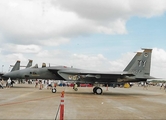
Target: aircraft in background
<point>137,70</point>
<point>17,67</point>
<point>27,66</point>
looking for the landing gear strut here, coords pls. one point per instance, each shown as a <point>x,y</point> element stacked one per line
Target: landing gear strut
<point>75,87</point>
<point>97,90</point>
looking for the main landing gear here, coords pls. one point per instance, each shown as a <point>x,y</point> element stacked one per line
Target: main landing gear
<point>75,87</point>
<point>97,90</point>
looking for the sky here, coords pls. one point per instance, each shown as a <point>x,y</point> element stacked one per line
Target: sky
<point>98,35</point>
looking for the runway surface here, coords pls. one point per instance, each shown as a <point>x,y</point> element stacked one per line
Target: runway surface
<point>24,101</point>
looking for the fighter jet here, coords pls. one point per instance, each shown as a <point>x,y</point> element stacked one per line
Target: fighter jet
<point>15,67</point>
<point>137,70</point>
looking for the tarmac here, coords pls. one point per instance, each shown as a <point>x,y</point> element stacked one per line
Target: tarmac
<point>24,101</point>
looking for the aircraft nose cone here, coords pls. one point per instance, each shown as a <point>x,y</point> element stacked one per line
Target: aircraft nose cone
<point>14,74</point>
<point>7,75</point>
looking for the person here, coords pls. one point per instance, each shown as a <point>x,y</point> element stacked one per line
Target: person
<point>40,83</point>
<point>36,84</point>
<point>1,84</point>
<point>54,85</point>
<point>12,82</point>
<point>49,84</point>
<point>164,86</point>
<point>9,83</point>
<point>145,85</point>
<point>161,85</point>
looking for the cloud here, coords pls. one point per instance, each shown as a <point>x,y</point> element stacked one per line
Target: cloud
<point>13,48</point>
<point>110,16</point>
<point>110,10</point>
<point>54,42</point>
<point>91,62</point>
<point>148,8</point>
<point>34,22</point>
<point>40,21</point>
<point>14,57</point>
<point>158,67</point>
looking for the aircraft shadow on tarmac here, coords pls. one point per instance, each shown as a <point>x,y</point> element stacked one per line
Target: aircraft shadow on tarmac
<point>110,94</point>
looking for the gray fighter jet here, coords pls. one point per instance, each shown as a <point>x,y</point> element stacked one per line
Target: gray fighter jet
<point>16,66</point>
<point>137,70</point>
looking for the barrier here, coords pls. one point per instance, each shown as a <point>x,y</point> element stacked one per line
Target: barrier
<point>62,106</point>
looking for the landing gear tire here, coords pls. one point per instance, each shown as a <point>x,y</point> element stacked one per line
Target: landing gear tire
<point>54,90</point>
<point>94,89</point>
<point>97,90</point>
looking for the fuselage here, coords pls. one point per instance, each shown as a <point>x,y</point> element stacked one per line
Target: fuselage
<point>33,73</point>
<point>70,74</point>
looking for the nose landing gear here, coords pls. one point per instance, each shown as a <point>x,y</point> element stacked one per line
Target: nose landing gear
<point>97,90</point>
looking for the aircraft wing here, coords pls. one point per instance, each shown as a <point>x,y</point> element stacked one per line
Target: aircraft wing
<point>75,74</point>
<point>74,71</point>
<point>96,73</point>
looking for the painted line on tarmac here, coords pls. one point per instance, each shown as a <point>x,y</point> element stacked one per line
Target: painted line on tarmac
<point>20,102</point>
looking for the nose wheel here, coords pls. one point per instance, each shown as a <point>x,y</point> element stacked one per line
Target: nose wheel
<point>53,90</point>
<point>97,90</point>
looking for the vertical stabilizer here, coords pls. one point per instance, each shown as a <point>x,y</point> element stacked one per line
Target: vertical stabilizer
<point>16,66</point>
<point>43,65</point>
<point>36,66</point>
<point>141,67</point>
<point>29,64</point>
<point>132,61</point>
